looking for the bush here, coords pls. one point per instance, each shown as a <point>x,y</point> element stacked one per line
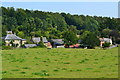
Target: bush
<point>6,47</point>
<point>90,40</point>
<point>106,45</point>
<point>29,42</point>
<point>41,44</point>
<point>2,43</point>
<point>23,45</point>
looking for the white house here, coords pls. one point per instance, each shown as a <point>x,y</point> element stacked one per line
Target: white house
<point>103,40</point>
<point>10,37</point>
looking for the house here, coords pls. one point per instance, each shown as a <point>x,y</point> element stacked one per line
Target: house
<point>36,39</point>
<point>42,39</point>
<point>57,43</point>
<point>46,43</point>
<point>12,39</point>
<point>49,45</point>
<point>103,40</point>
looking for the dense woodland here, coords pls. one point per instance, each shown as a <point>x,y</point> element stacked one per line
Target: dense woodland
<point>28,23</point>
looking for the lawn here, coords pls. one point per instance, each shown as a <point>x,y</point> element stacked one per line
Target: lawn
<point>60,63</point>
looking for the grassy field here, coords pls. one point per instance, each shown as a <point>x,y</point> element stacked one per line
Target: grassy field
<point>60,63</point>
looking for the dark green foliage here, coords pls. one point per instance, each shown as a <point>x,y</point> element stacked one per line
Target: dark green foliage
<point>70,38</point>
<point>90,40</point>
<point>2,43</point>
<point>41,44</point>
<point>6,47</point>
<point>106,45</point>
<point>29,23</point>
<point>22,45</point>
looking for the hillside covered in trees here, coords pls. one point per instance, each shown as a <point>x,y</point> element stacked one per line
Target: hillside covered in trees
<point>27,23</point>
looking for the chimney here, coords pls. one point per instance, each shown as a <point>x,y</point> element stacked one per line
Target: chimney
<point>9,32</point>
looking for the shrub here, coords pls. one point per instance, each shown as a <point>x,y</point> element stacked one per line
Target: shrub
<point>6,47</point>
<point>23,45</point>
<point>2,43</point>
<point>41,44</point>
<point>106,45</point>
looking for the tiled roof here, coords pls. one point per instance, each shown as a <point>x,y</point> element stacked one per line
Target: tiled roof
<point>75,45</point>
<point>57,41</point>
<point>12,37</point>
<point>105,39</point>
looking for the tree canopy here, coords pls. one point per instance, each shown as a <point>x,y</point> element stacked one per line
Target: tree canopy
<point>27,23</point>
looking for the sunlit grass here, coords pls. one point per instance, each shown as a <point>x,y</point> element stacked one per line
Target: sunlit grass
<point>60,63</point>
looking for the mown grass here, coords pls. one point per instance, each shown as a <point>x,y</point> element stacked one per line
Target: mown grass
<point>60,63</point>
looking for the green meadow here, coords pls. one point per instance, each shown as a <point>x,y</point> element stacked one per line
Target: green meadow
<point>60,63</point>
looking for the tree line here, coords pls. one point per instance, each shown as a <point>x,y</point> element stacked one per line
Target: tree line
<point>28,23</point>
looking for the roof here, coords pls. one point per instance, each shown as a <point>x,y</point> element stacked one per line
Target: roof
<point>30,45</point>
<point>105,39</point>
<point>75,45</point>
<point>12,37</point>
<point>36,39</point>
<point>49,45</point>
<point>44,39</point>
<point>23,39</point>
<point>57,41</point>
